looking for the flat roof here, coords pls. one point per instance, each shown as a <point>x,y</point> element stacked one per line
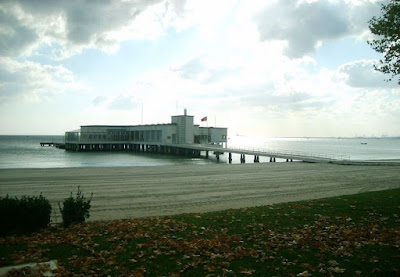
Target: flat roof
<point>121,126</point>
<point>182,115</point>
<point>213,127</point>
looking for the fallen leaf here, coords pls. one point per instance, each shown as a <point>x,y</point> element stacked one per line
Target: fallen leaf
<point>333,263</point>
<point>247,271</point>
<point>304,274</point>
<point>337,269</point>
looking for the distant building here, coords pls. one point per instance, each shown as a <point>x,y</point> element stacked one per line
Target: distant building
<point>181,130</point>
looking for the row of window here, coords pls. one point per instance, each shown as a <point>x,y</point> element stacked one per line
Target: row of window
<point>151,135</point>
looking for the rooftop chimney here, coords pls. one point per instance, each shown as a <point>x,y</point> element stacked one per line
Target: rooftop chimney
<point>185,112</point>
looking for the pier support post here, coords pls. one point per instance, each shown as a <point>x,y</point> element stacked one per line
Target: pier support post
<point>230,158</point>
<point>217,154</point>
<point>207,154</point>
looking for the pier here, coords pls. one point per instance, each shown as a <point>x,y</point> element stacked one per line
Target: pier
<point>289,156</point>
<point>195,150</point>
<point>46,144</point>
<point>60,145</point>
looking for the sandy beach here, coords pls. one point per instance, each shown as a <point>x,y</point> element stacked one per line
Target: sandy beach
<point>126,192</point>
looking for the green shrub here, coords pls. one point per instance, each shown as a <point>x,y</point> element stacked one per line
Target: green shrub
<point>23,215</point>
<point>75,210</point>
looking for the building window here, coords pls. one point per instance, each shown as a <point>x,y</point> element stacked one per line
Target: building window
<point>223,136</point>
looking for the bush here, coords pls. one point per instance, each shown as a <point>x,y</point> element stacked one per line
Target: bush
<point>23,215</point>
<point>75,210</point>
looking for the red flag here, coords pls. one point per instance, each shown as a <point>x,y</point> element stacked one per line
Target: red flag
<point>204,119</point>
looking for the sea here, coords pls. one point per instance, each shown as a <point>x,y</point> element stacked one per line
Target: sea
<point>26,152</point>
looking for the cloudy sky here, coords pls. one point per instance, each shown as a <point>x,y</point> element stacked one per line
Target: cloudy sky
<point>260,68</point>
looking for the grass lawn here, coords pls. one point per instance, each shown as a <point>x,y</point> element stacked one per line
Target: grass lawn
<point>341,236</point>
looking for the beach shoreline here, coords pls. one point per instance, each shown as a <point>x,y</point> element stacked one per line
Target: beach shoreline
<point>129,192</point>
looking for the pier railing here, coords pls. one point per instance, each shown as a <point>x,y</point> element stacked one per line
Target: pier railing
<point>294,154</point>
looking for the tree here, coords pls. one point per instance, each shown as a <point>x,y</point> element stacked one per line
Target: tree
<point>387,28</point>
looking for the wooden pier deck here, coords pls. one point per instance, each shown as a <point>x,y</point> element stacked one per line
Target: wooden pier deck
<point>60,145</point>
<point>257,152</point>
<point>46,144</point>
<point>196,149</point>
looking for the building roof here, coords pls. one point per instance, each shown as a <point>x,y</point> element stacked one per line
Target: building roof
<point>124,126</point>
<point>182,115</point>
<point>213,127</point>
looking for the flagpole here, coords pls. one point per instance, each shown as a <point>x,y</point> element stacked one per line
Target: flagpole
<point>142,114</point>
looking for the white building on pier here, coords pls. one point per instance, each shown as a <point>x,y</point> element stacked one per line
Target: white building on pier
<point>181,131</point>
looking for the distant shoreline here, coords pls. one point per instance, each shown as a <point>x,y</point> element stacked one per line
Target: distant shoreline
<point>129,192</point>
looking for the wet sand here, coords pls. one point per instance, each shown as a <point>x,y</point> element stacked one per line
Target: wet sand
<point>126,192</point>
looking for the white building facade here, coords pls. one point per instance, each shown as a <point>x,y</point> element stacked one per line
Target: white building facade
<point>181,131</point>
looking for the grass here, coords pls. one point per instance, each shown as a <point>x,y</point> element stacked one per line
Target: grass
<point>347,236</point>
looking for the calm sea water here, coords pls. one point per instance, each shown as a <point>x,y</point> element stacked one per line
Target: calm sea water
<point>26,152</point>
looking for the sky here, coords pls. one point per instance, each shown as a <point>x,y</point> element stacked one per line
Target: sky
<point>284,68</point>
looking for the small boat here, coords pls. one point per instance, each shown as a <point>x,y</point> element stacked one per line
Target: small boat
<point>364,143</point>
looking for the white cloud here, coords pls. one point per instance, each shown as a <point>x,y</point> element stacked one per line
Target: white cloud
<point>15,37</point>
<point>290,93</point>
<point>304,25</point>
<point>205,69</point>
<point>361,74</point>
<point>34,81</point>
<point>98,100</point>
<point>74,25</point>
<point>123,102</point>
